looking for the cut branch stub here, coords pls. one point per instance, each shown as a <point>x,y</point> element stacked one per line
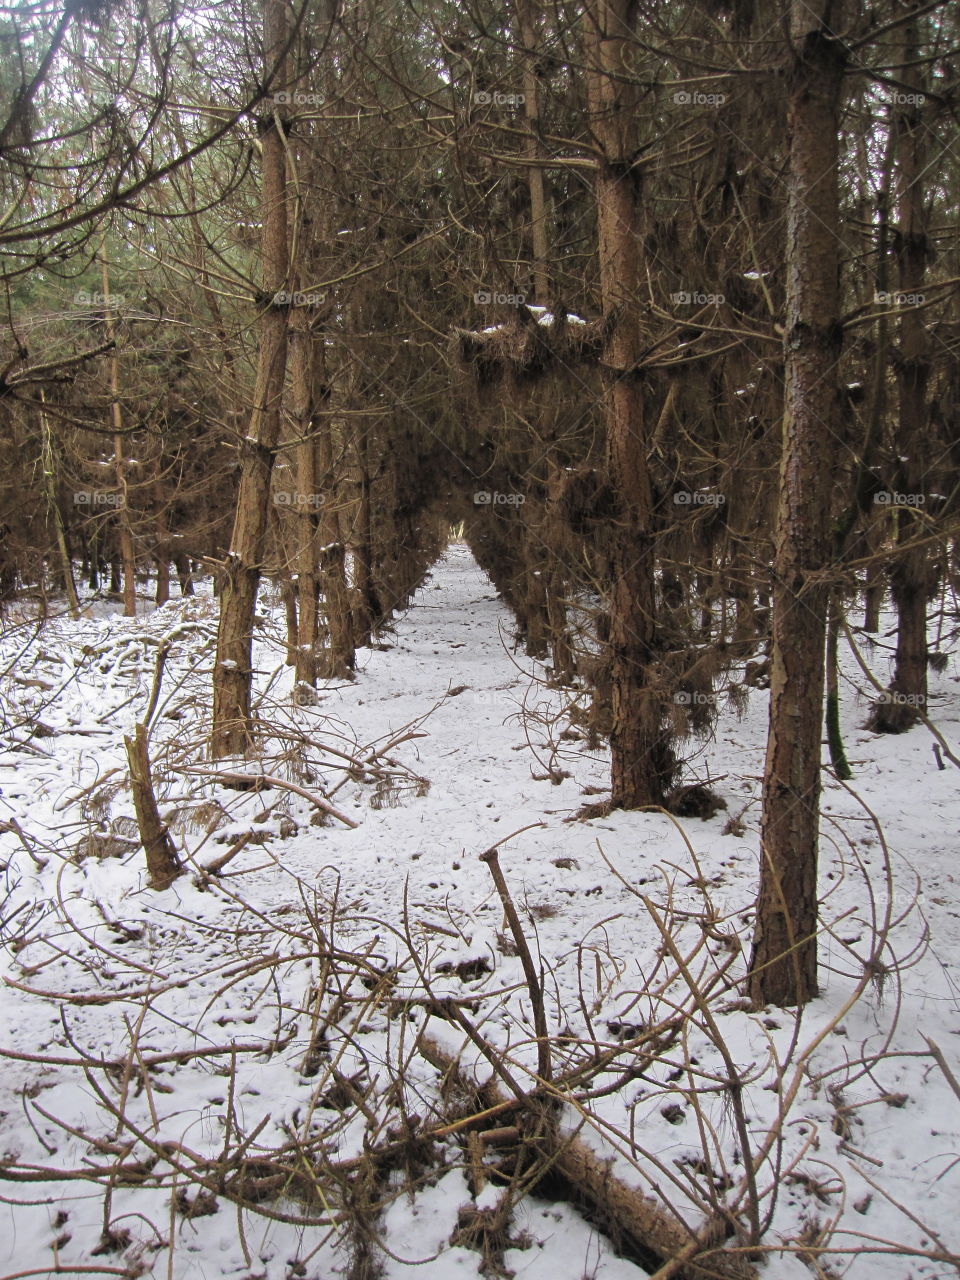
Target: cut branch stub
<point>163,864</point>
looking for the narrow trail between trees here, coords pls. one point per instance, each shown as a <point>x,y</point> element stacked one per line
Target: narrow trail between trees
<point>177,1051</point>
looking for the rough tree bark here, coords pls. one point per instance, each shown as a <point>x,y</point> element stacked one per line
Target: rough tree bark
<point>306,512</point>
<point>642,763</point>
<point>368,613</point>
<point>337,659</point>
<point>873,522</point>
<point>783,968</point>
<point>161,553</point>
<point>184,577</point>
<point>232,730</point>
<point>123,510</point>
<point>535,612</point>
<point>163,864</point>
<point>526,20</point>
<point>913,572</point>
<point>54,513</point>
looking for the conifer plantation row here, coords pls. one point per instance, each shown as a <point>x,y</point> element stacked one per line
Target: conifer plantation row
<point>658,302</point>
<point>654,307</point>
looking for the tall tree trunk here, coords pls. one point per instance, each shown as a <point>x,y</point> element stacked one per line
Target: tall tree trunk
<point>536,619</point>
<point>305,344</point>
<point>306,511</point>
<point>642,762</point>
<point>369,610</point>
<point>337,659</point>
<point>162,556</point>
<point>55,514</point>
<point>181,563</point>
<point>561,647</point>
<point>289,593</point>
<point>783,968</point>
<point>96,565</point>
<point>284,550</point>
<point>874,520</point>
<point>123,511</point>
<point>544,540</point>
<point>705,580</point>
<point>526,17</point>
<point>838,757</point>
<point>873,596</point>
<point>913,572</point>
<point>163,577</point>
<point>308,565</point>
<point>232,730</point>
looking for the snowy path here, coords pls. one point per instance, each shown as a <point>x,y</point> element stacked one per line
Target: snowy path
<point>598,945</point>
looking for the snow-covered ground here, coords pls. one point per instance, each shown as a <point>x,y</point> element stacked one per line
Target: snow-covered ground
<point>267,1017</point>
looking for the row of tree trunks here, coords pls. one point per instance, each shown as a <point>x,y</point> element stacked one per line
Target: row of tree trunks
<point>515,549</point>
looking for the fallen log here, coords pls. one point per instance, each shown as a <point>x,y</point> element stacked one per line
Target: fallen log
<point>674,1249</point>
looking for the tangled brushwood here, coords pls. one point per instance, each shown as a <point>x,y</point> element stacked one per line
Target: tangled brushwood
<point>334,1063</point>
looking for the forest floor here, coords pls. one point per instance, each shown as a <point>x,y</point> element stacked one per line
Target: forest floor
<point>194,1079</point>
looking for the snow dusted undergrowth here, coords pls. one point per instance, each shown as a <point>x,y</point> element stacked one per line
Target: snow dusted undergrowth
<point>267,1018</point>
